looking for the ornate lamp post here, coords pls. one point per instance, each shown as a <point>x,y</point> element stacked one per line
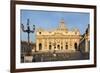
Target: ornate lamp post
<point>28,31</point>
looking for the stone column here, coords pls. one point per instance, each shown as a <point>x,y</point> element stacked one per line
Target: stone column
<point>47,44</point>
<point>56,44</point>
<point>69,44</point>
<point>37,45</point>
<point>60,43</point>
<point>53,45</point>
<point>78,43</point>
<point>43,45</point>
<point>72,44</point>
<point>86,46</point>
<point>63,44</point>
<point>73,41</point>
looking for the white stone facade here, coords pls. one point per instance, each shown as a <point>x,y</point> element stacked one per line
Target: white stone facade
<point>60,39</point>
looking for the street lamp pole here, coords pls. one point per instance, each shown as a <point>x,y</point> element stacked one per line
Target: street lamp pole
<point>28,31</point>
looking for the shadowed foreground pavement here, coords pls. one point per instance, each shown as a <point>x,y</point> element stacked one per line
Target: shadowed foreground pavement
<point>61,56</point>
<point>45,57</point>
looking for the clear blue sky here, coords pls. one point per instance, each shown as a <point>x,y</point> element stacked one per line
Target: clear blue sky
<point>50,20</point>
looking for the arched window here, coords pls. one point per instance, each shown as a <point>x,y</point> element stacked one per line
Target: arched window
<point>75,46</point>
<point>50,47</point>
<point>40,46</point>
<point>66,46</point>
<point>39,32</point>
<point>61,47</point>
<point>58,46</point>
